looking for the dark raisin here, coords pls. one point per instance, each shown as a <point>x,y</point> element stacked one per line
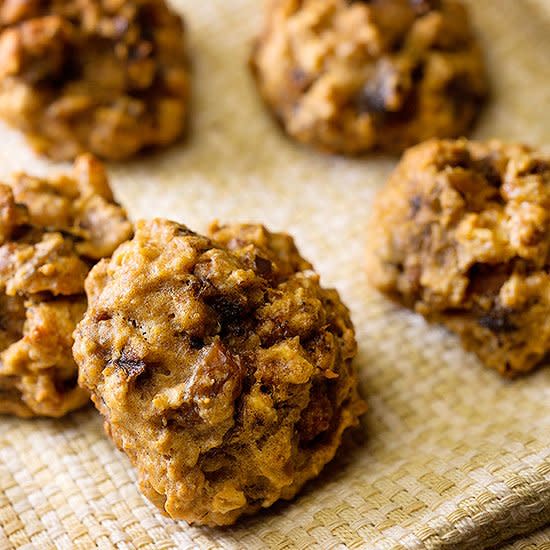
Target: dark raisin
<point>497,320</point>
<point>389,91</point>
<point>407,112</point>
<point>418,72</point>
<point>487,169</point>
<point>263,267</point>
<point>316,417</point>
<point>146,21</point>
<point>487,280</point>
<point>458,158</point>
<point>298,76</point>
<point>195,342</point>
<point>132,367</point>
<point>538,167</point>
<point>460,90</point>
<point>371,99</point>
<point>415,204</point>
<point>66,384</point>
<point>229,312</point>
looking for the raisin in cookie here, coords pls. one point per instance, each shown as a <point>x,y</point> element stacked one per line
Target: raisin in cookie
<point>51,233</point>
<point>461,234</point>
<point>353,76</point>
<point>109,77</point>
<point>222,368</point>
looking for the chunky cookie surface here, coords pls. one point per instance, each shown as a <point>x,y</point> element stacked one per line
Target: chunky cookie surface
<point>105,76</point>
<point>222,368</point>
<point>353,76</point>
<point>51,233</point>
<point>461,234</point>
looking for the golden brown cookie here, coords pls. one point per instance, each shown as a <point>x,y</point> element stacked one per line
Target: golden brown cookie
<point>461,234</point>
<point>109,77</point>
<point>222,368</point>
<point>51,233</point>
<point>352,76</point>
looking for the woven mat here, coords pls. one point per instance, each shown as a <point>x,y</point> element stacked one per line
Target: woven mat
<point>450,456</point>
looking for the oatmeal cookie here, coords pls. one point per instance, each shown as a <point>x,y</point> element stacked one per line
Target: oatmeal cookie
<point>105,76</point>
<point>223,369</point>
<point>51,233</point>
<point>461,234</point>
<point>352,76</point>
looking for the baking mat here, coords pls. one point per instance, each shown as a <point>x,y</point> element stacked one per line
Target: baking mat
<point>449,456</point>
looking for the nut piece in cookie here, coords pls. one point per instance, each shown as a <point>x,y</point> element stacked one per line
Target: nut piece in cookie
<point>51,233</point>
<point>353,76</point>
<point>88,75</point>
<point>461,234</point>
<point>223,369</point>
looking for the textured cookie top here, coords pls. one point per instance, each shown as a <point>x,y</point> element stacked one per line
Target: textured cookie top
<point>462,233</point>
<point>108,77</point>
<point>51,233</point>
<point>221,366</point>
<point>353,76</point>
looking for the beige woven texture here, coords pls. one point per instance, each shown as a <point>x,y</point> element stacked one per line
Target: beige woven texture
<point>450,456</point>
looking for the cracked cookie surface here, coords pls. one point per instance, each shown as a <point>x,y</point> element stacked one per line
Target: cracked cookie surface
<point>350,77</point>
<point>51,233</point>
<point>105,76</point>
<point>223,369</point>
<point>461,234</point>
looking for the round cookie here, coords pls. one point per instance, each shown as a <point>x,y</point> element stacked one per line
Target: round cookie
<point>353,76</point>
<point>109,77</point>
<point>461,234</point>
<point>51,233</point>
<point>222,368</point>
